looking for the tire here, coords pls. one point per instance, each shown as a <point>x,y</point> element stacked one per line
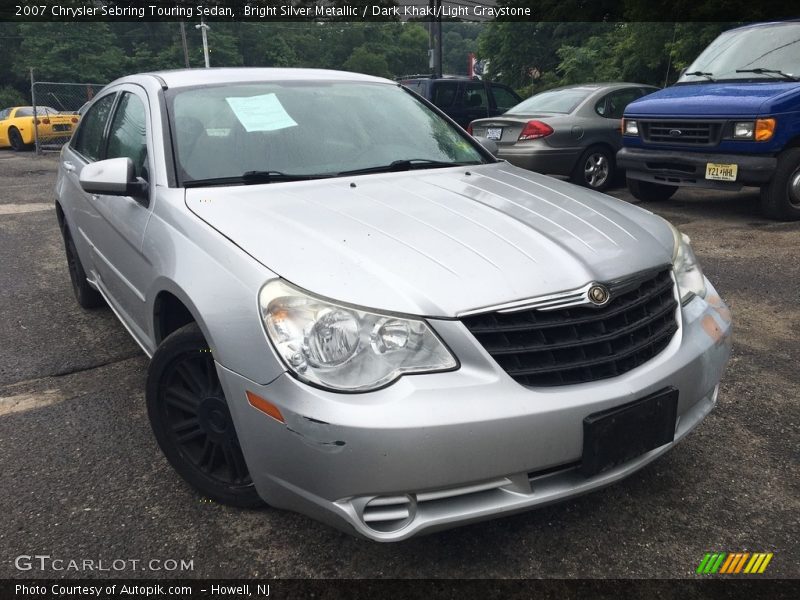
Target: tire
<point>86,295</point>
<point>647,191</point>
<point>595,168</point>
<point>191,421</point>
<point>780,198</point>
<point>16,141</point>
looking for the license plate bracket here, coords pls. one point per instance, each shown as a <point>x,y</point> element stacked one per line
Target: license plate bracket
<point>722,171</point>
<point>619,434</point>
<point>494,133</point>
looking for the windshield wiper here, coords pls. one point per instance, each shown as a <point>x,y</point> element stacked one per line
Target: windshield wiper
<point>251,177</point>
<point>759,71</point>
<point>701,74</point>
<point>407,165</point>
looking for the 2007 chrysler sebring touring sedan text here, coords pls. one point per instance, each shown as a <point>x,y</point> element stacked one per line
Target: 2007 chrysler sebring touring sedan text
<point>354,311</point>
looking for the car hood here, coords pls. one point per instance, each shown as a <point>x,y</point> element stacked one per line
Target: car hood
<point>715,99</point>
<point>436,242</point>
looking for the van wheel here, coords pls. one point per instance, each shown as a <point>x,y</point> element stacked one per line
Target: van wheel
<point>191,421</point>
<point>594,169</point>
<point>646,191</point>
<point>86,295</point>
<point>780,198</point>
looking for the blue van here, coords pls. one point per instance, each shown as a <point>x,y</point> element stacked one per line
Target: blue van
<point>731,120</point>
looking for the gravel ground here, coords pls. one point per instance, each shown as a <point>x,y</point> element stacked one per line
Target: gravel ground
<point>83,477</point>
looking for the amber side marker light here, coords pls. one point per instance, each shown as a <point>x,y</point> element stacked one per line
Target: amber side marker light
<point>264,406</point>
<point>764,129</point>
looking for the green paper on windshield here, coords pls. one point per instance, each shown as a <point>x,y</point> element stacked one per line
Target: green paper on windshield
<point>261,113</point>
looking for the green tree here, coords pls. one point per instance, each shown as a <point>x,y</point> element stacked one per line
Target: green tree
<point>11,97</point>
<point>70,52</point>
<point>362,60</point>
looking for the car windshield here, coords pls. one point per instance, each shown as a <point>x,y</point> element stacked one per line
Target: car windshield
<point>27,111</point>
<point>554,101</point>
<point>261,132</point>
<point>751,53</point>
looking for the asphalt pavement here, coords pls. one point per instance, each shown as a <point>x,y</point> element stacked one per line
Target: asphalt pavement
<point>83,479</point>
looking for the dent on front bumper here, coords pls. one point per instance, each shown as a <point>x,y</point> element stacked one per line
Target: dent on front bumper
<point>433,451</point>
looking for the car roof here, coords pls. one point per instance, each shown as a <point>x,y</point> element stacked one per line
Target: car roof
<point>590,87</point>
<point>193,77</point>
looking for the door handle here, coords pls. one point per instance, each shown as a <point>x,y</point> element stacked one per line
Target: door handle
<point>68,166</point>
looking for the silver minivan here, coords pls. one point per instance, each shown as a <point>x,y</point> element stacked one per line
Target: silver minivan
<point>355,311</point>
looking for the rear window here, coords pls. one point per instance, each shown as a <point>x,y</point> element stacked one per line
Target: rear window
<point>555,101</point>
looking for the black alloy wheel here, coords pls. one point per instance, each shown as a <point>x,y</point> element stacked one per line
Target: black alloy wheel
<point>191,420</point>
<point>86,296</point>
<point>15,139</point>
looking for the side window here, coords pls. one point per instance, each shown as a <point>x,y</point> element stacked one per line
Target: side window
<point>616,102</point>
<point>88,140</point>
<point>4,114</point>
<point>600,107</point>
<point>475,96</point>
<point>503,98</point>
<point>127,135</point>
<point>414,86</point>
<point>444,93</point>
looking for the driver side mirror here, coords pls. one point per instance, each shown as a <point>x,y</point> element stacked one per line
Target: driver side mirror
<point>113,177</point>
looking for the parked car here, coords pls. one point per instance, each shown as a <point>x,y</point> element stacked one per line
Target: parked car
<point>572,131</point>
<point>464,99</point>
<point>731,120</point>
<point>354,311</point>
<point>17,125</point>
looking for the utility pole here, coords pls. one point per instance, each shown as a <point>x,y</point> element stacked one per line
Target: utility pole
<point>203,28</point>
<point>437,37</point>
<point>431,36</point>
<point>185,46</point>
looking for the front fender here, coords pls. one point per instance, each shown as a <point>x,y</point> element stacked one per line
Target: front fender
<point>216,281</point>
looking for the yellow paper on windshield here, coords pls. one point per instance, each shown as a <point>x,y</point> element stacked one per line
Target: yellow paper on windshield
<point>261,113</point>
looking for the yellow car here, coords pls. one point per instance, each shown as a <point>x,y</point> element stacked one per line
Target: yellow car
<point>17,125</point>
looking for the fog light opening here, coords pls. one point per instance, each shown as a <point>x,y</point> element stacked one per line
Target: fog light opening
<point>388,514</point>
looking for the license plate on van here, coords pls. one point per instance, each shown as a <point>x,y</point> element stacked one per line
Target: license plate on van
<point>721,171</point>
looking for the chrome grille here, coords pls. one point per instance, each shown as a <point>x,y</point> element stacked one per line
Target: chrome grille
<point>581,344</point>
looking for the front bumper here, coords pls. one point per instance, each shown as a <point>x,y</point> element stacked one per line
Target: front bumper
<point>451,448</point>
<point>670,167</point>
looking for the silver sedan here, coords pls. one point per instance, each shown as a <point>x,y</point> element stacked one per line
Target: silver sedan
<point>354,311</point>
<point>572,131</point>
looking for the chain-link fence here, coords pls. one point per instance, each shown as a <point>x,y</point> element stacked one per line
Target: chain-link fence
<point>57,110</point>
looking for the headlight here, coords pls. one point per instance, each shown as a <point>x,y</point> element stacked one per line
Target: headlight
<point>346,348</point>
<point>630,127</point>
<point>759,130</point>
<point>687,270</point>
<point>744,130</point>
